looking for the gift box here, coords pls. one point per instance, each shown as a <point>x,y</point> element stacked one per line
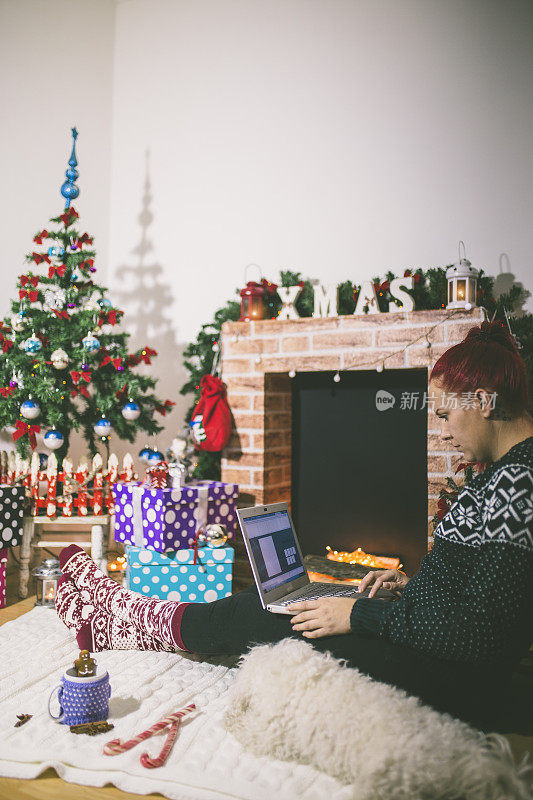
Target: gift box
<point>3,565</point>
<point>167,519</point>
<point>11,514</point>
<point>175,576</point>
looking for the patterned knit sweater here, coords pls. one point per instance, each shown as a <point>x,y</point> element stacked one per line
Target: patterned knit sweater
<point>472,598</point>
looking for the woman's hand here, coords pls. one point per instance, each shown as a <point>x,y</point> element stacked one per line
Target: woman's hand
<point>325,617</point>
<point>391,579</point>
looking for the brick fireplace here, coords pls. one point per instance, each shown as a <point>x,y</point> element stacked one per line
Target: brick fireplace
<point>258,357</point>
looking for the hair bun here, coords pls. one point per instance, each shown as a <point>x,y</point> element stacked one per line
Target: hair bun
<point>492,333</point>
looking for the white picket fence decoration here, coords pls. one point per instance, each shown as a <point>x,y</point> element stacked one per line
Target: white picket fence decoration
<point>77,499</point>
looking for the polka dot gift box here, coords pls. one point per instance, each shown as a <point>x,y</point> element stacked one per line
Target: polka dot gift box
<point>11,515</point>
<point>167,519</point>
<point>175,576</point>
<point>3,565</point>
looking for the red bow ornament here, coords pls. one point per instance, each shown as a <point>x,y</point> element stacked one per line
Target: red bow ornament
<point>60,269</point>
<point>117,362</point>
<point>38,238</point>
<point>31,279</point>
<point>32,295</point>
<point>5,391</point>
<point>121,394</point>
<point>60,314</point>
<point>7,344</point>
<point>145,355</point>
<point>270,288</point>
<point>85,239</point>
<point>82,390</point>
<point>166,406</point>
<point>69,216</point>
<point>409,274</point>
<point>109,318</point>
<point>38,257</point>
<point>22,428</point>
<point>84,375</point>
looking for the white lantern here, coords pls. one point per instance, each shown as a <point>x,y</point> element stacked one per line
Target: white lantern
<point>462,283</point>
<point>46,577</point>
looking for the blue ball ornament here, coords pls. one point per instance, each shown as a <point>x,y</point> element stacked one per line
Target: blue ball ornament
<point>131,411</point>
<point>33,344</point>
<point>103,427</point>
<point>56,250</point>
<point>104,303</point>
<point>30,409</point>
<point>69,191</point>
<point>145,453</point>
<point>91,343</point>
<point>53,439</point>
<point>155,457</point>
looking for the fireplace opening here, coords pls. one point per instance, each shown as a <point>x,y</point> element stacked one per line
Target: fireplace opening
<point>359,463</point>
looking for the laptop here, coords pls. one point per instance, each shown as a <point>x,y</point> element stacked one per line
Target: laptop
<point>277,563</point>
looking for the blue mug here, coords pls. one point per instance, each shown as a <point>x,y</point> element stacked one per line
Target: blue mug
<point>82,700</point>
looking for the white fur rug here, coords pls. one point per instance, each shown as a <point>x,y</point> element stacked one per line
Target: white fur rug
<point>291,702</point>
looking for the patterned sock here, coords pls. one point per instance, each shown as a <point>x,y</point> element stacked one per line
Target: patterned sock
<point>73,608</point>
<point>95,629</point>
<point>105,632</point>
<point>159,619</point>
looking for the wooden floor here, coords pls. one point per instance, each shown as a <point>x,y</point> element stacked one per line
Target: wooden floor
<point>49,787</point>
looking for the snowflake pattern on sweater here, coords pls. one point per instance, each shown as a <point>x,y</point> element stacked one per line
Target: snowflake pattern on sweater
<point>472,598</point>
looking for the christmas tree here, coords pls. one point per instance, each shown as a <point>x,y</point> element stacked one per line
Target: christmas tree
<point>64,364</point>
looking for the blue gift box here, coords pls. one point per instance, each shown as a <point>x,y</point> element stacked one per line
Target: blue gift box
<point>167,519</point>
<point>175,576</point>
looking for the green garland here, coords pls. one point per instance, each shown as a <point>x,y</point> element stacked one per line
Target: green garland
<point>429,290</point>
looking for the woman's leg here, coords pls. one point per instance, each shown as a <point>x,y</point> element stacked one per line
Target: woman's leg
<point>235,623</point>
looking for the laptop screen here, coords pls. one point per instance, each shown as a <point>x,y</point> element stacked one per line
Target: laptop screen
<point>274,549</point>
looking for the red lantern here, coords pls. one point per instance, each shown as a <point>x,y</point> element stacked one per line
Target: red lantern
<point>253,296</point>
<point>252,302</point>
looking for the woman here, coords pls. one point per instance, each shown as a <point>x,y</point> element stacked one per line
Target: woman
<point>458,627</point>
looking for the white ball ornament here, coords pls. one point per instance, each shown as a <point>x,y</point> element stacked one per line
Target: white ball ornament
<point>59,359</point>
<point>53,439</point>
<point>103,427</point>
<point>91,343</point>
<point>30,409</point>
<point>17,322</point>
<point>131,411</point>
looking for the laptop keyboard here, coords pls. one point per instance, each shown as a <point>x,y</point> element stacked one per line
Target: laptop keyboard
<point>317,590</point>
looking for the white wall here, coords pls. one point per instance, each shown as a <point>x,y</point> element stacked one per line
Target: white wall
<point>340,138</point>
<point>56,61</point>
<point>337,137</point>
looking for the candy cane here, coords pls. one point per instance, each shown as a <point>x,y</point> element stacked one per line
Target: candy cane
<point>151,763</point>
<point>117,746</point>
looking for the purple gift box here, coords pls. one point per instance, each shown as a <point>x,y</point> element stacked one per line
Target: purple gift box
<point>167,519</point>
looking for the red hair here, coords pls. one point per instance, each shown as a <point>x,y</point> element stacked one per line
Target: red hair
<point>487,358</point>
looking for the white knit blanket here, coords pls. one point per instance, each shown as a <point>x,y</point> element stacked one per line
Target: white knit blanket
<point>207,763</point>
